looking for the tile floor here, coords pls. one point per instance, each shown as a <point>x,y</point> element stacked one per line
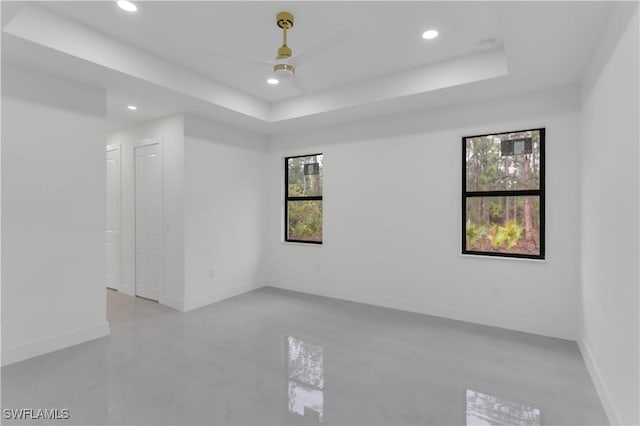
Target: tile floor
<point>277,357</point>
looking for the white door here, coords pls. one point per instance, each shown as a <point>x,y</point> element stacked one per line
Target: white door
<point>113,218</point>
<point>148,164</point>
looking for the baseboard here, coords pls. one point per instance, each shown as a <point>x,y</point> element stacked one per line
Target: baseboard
<point>195,303</point>
<point>491,319</point>
<point>598,382</point>
<point>54,343</point>
<point>172,303</point>
<point>126,289</point>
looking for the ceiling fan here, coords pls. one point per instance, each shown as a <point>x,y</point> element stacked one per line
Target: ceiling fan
<point>286,62</point>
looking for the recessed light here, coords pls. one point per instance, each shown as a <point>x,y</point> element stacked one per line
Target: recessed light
<point>127,5</point>
<point>430,34</point>
<point>132,107</point>
<point>273,81</point>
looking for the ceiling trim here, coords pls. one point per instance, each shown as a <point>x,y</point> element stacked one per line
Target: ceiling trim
<point>47,29</point>
<point>52,31</point>
<point>454,72</point>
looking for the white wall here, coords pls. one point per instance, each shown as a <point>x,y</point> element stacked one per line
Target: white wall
<point>170,132</point>
<point>53,214</point>
<point>225,217</point>
<point>610,185</point>
<point>392,217</point>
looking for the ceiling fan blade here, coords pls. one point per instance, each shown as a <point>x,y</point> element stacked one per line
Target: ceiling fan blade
<point>299,85</point>
<point>335,39</point>
<point>225,57</point>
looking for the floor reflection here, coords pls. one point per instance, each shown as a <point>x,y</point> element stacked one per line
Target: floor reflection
<point>305,367</point>
<point>483,409</point>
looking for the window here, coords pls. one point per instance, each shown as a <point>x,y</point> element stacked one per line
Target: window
<point>303,199</point>
<point>503,194</point>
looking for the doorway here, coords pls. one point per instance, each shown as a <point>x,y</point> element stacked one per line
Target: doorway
<point>148,221</point>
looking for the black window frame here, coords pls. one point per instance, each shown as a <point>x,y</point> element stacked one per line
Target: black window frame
<point>540,192</point>
<point>288,198</point>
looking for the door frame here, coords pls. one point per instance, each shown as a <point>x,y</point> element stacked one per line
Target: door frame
<point>136,145</point>
<point>118,148</point>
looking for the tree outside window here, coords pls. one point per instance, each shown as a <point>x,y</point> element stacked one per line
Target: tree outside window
<point>303,194</point>
<point>503,194</point>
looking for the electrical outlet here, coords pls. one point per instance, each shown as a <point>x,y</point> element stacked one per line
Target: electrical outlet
<point>211,273</point>
<point>497,291</point>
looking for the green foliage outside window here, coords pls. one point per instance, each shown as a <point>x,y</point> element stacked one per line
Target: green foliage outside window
<point>508,222</point>
<point>304,211</point>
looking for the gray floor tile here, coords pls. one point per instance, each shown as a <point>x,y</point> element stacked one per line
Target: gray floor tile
<point>230,363</point>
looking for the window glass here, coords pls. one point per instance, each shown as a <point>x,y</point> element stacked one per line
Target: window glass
<point>503,194</point>
<point>303,187</point>
<point>503,162</point>
<point>305,220</point>
<point>305,175</point>
<point>500,224</point>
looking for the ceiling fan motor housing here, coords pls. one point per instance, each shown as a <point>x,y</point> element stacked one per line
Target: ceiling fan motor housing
<point>284,52</point>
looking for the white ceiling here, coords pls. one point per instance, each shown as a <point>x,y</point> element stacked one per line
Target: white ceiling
<point>387,36</point>
<point>202,57</point>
